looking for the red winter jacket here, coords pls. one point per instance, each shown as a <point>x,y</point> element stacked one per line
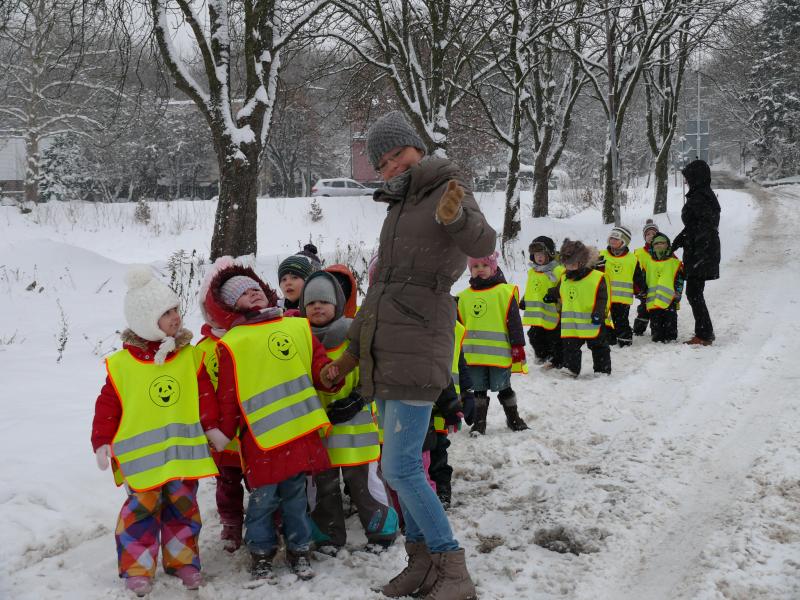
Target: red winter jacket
<point>265,467</point>
<point>108,408</point>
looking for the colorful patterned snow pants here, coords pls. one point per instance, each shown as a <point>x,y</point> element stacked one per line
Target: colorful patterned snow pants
<point>169,513</point>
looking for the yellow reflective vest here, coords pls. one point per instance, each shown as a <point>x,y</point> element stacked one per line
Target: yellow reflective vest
<point>619,274</point>
<point>438,420</point>
<point>160,437</point>
<point>484,314</point>
<point>354,442</point>
<point>209,346</point>
<point>577,303</point>
<point>274,384</point>
<point>539,313</point>
<point>660,278</point>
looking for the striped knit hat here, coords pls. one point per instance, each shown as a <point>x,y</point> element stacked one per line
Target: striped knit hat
<point>297,265</point>
<point>622,233</point>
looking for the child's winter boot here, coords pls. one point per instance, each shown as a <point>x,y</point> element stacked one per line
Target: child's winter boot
<point>509,403</point>
<point>418,576</point>
<point>190,576</point>
<point>481,410</point>
<point>452,579</point>
<point>231,537</point>
<point>139,585</point>
<point>300,563</point>
<point>261,567</point>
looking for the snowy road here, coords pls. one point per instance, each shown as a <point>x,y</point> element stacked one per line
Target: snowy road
<point>677,478</point>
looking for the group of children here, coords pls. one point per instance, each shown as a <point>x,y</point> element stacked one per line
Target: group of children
<point>258,405</point>
<point>580,295</point>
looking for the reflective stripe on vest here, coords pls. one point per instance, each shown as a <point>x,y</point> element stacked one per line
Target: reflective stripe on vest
<point>159,436</point>
<point>619,273</point>
<point>354,442</point>
<point>577,303</point>
<point>484,314</point>
<point>273,380</point>
<point>209,346</point>
<point>539,313</point>
<point>660,277</point>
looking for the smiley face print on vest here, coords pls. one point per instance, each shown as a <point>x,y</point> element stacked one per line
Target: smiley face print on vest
<point>165,391</point>
<point>617,268</point>
<point>282,346</point>
<point>212,366</point>
<point>479,307</point>
<point>572,294</point>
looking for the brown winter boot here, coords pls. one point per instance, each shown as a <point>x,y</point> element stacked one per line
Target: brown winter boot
<point>481,410</point>
<point>419,573</point>
<point>452,579</point>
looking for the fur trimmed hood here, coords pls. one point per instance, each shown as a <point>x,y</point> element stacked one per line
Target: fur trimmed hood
<point>214,310</point>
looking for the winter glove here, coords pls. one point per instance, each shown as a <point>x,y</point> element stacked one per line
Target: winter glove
<point>597,319</point>
<point>468,400</point>
<point>600,265</point>
<point>335,371</point>
<point>102,455</point>
<point>450,203</point>
<point>344,409</point>
<point>448,404</point>
<point>217,439</point>
<point>518,354</point>
<point>551,297</point>
<point>677,242</point>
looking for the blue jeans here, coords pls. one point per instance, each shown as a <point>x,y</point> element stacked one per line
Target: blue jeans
<point>290,494</point>
<point>404,429</point>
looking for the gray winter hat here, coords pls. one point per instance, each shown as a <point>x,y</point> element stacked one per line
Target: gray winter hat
<point>392,130</point>
<point>319,289</point>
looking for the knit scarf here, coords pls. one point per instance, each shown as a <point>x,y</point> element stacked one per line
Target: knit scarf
<point>332,334</point>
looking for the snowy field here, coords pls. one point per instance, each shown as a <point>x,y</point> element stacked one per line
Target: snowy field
<point>678,477</point>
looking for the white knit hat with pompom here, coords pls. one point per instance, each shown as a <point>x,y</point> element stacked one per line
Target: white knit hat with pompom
<point>147,299</point>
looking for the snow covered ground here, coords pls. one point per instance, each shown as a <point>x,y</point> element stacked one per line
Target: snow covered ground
<point>677,477</point>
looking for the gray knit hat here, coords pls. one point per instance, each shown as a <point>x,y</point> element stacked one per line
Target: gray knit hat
<point>621,233</point>
<point>319,289</point>
<point>233,288</point>
<point>392,130</point>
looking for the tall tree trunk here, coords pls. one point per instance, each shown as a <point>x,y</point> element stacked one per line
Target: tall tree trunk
<point>661,182</point>
<point>608,188</point>
<point>32,168</point>
<point>541,193</point>
<point>235,232</point>
<point>511,224</point>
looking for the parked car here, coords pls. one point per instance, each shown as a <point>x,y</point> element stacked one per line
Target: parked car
<point>340,186</point>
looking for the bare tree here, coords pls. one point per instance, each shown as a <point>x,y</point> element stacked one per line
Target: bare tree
<point>424,49</point>
<point>264,29</point>
<point>663,80</point>
<point>55,60</point>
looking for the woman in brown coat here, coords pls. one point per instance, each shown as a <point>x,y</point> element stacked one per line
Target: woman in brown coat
<point>403,337</point>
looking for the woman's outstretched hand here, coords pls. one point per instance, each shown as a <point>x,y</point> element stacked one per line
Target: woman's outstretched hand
<point>450,203</point>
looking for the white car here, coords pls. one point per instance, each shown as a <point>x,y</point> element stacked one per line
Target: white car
<point>340,186</point>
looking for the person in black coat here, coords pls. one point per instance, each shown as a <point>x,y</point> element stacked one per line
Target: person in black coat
<point>701,247</point>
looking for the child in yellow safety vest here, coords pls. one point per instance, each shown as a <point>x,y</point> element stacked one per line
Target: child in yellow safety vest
<point>623,276</point>
<point>543,317</point>
<point>218,320</point>
<point>494,342</point>
<point>584,308</point>
<point>664,279</point>
<point>642,319</point>
<point>269,370</point>
<point>154,419</point>
<point>352,443</point>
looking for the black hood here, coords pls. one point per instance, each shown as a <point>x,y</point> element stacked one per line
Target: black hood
<point>697,173</point>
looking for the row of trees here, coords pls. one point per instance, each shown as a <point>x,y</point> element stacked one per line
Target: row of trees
<point>282,82</point>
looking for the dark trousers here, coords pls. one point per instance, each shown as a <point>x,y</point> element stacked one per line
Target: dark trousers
<point>601,354</point>
<point>642,318</point>
<point>702,320</point>
<point>546,344</point>
<point>664,324</point>
<point>440,472</point>
<point>622,334</point>
<point>230,496</point>
<point>367,492</point>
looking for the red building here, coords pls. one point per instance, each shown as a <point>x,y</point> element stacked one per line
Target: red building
<point>362,170</point>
